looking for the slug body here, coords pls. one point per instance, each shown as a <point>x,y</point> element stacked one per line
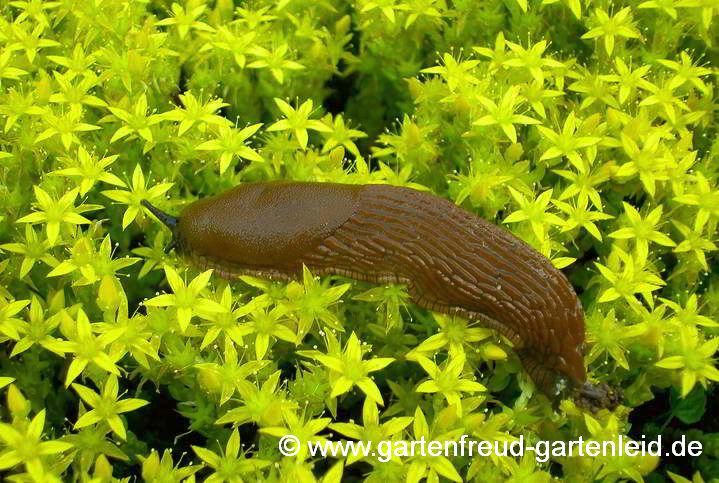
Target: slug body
<point>451,260</point>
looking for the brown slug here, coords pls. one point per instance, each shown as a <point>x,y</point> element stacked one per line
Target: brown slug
<point>450,260</point>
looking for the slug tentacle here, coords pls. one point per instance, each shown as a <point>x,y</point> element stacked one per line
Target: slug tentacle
<point>167,219</point>
<point>451,260</point>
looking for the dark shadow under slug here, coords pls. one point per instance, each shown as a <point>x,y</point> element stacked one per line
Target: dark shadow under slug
<point>451,261</point>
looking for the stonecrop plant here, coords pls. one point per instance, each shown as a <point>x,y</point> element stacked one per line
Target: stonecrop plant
<point>586,127</point>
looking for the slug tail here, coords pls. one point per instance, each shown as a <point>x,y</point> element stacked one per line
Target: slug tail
<point>169,220</point>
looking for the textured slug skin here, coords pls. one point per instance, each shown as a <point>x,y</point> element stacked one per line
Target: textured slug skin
<point>451,260</point>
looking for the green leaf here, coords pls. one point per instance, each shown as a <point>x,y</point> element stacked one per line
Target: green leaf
<point>690,408</point>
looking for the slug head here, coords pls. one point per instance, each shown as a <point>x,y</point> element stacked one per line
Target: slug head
<point>556,364</point>
<point>559,367</point>
<point>597,396</point>
<point>559,380</point>
<point>553,374</point>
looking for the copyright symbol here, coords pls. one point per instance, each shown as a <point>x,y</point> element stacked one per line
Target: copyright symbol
<point>289,445</point>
